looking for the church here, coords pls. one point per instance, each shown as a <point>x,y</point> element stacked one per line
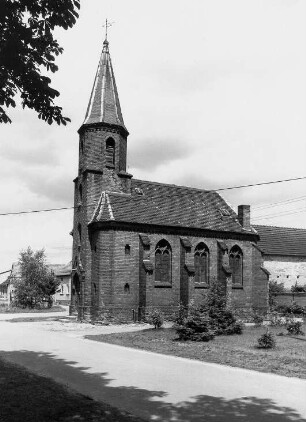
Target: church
<point>140,245</point>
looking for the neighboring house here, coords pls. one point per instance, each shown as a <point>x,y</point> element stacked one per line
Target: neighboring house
<point>284,251</point>
<point>63,274</point>
<point>4,287</point>
<point>285,258</point>
<point>61,271</point>
<point>139,245</point>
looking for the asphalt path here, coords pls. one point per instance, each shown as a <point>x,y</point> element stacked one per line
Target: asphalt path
<point>153,386</point>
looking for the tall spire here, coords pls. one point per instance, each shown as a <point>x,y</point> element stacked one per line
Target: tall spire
<point>104,105</point>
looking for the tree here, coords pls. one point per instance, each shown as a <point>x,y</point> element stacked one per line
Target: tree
<point>27,46</point>
<point>274,289</point>
<point>37,283</point>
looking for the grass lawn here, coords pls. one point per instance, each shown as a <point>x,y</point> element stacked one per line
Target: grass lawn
<point>25,397</point>
<point>288,358</point>
<point>4,309</point>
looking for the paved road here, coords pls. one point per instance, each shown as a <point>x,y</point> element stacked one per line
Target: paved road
<point>152,386</point>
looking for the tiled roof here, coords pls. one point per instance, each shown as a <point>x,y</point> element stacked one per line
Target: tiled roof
<point>282,240</point>
<point>168,205</point>
<point>104,105</point>
<point>4,277</point>
<point>61,269</point>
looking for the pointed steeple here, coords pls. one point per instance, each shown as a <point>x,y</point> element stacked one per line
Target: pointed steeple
<point>104,105</point>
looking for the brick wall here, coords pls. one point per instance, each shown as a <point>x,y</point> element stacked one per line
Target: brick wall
<point>123,284</point>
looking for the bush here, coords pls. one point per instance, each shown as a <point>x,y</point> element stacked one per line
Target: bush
<point>294,328</point>
<point>276,320</point>
<point>209,319</point>
<point>156,318</point>
<point>195,327</point>
<point>294,308</point>
<point>257,318</point>
<point>266,341</point>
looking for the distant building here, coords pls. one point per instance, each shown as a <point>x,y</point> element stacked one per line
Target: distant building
<point>61,271</point>
<point>284,254</point>
<point>63,274</point>
<point>4,287</point>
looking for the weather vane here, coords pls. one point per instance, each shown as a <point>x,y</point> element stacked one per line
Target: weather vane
<point>106,26</point>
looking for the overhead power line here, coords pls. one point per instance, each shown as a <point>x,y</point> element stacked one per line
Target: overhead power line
<point>280,214</point>
<point>275,204</point>
<point>262,183</point>
<point>216,190</point>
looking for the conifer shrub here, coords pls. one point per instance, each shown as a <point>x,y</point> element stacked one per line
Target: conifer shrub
<point>195,327</point>
<point>266,341</point>
<point>295,328</point>
<point>156,318</point>
<point>211,318</point>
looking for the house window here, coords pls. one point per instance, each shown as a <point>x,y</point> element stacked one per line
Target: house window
<point>127,250</point>
<point>110,152</point>
<point>201,264</point>
<point>236,264</point>
<point>163,262</point>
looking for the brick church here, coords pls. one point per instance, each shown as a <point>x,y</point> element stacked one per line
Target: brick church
<point>140,245</point>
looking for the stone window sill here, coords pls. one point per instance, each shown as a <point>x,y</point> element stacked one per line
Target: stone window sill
<point>201,286</point>
<point>162,284</point>
<point>238,287</point>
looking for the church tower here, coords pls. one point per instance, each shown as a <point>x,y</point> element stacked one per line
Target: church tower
<point>102,168</point>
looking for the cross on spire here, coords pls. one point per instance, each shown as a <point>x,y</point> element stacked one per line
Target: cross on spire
<point>106,26</point>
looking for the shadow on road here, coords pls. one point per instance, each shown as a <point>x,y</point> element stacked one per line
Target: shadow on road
<point>151,405</point>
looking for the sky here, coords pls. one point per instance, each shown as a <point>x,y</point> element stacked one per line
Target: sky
<point>213,93</point>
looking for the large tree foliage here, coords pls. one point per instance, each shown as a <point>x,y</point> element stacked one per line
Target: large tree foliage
<point>27,47</point>
<point>36,283</point>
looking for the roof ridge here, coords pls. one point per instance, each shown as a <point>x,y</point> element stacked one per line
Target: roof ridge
<point>279,227</point>
<point>176,186</point>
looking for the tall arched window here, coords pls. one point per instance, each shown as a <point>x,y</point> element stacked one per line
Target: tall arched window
<point>201,263</point>
<point>163,262</point>
<point>110,152</point>
<point>80,193</point>
<point>80,232</point>
<point>236,264</point>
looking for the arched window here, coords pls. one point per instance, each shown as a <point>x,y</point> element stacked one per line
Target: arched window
<point>236,264</point>
<point>163,262</point>
<point>80,193</point>
<point>201,263</point>
<point>80,232</point>
<point>127,288</point>
<point>110,152</point>
<point>81,146</point>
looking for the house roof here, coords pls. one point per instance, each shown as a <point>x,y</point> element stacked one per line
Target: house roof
<point>283,241</point>
<point>61,269</point>
<point>4,275</point>
<point>104,105</point>
<point>168,205</point>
